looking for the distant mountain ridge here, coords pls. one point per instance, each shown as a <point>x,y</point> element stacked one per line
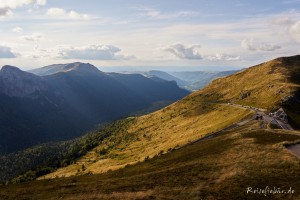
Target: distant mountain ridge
<point>199,79</point>
<point>56,68</point>
<point>189,80</point>
<point>69,100</point>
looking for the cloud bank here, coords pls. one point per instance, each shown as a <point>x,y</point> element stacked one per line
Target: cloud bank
<point>183,52</point>
<point>35,37</point>
<point>251,46</point>
<point>6,6</point>
<point>17,30</point>
<point>158,15</point>
<point>93,52</point>
<point>6,52</point>
<point>61,13</point>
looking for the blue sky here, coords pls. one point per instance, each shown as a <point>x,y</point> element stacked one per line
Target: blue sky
<point>148,33</point>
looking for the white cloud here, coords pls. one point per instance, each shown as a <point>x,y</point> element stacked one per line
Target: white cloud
<point>74,15</point>
<point>59,12</point>
<point>19,3</point>
<point>268,47</point>
<point>6,52</point>
<point>56,11</point>
<point>6,6</point>
<point>183,52</point>
<point>156,14</point>
<point>222,57</point>
<point>251,46</point>
<point>93,52</point>
<point>295,31</point>
<point>41,2</point>
<point>248,45</point>
<point>17,30</point>
<point>35,37</point>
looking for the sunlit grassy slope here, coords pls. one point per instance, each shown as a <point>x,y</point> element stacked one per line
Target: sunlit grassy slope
<point>219,168</point>
<point>149,135</point>
<point>268,85</point>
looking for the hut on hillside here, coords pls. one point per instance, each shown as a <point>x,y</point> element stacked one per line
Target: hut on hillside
<point>280,114</point>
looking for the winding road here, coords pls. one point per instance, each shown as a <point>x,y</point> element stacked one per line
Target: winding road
<point>259,112</point>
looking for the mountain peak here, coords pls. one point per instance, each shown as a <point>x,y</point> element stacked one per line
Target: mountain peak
<point>57,68</point>
<point>11,72</point>
<point>9,68</point>
<point>18,83</point>
<point>82,67</point>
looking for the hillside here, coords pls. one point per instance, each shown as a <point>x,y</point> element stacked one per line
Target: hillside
<point>269,85</point>
<point>229,163</point>
<point>196,115</point>
<point>64,105</point>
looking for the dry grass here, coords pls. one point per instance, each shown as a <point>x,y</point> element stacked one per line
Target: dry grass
<point>219,168</point>
<point>156,133</point>
<point>268,84</point>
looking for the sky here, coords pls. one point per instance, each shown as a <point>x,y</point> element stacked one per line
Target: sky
<point>144,34</point>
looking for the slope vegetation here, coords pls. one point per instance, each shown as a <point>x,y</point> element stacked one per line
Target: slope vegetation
<point>220,168</point>
<point>268,85</point>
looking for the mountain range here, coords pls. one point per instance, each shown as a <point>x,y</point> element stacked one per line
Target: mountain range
<point>211,144</point>
<point>189,80</point>
<point>65,100</point>
<point>273,84</point>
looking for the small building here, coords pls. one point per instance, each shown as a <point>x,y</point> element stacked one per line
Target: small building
<point>280,115</point>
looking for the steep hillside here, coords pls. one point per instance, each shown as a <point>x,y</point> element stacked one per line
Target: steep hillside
<point>269,85</point>
<point>223,167</point>
<point>196,115</point>
<point>64,105</point>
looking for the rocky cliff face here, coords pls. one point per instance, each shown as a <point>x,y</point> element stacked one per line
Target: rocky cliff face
<point>17,83</point>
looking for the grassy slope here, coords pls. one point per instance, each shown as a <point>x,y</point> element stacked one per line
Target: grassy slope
<point>219,168</point>
<point>268,85</point>
<point>152,134</point>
